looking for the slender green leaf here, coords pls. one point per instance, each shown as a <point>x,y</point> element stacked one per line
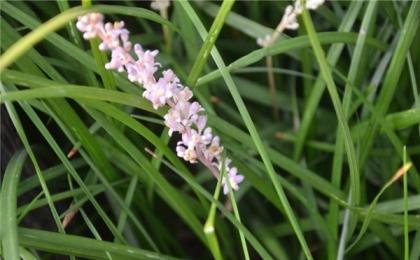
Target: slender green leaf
<point>8,204</point>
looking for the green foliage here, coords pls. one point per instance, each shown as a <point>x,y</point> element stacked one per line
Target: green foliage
<point>319,181</point>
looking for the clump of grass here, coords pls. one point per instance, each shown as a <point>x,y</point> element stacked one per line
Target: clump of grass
<point>319,181</point>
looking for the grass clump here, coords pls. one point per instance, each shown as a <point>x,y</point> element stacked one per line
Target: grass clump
<point>320,120</point>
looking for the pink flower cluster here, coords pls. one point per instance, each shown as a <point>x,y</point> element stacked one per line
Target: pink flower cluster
<point>184,116</point>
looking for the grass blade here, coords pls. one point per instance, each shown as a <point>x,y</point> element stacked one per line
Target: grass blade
<point>19,128</point>
<point>390,84</point>
<point>319,87</point>
<point>367,23</point>
<point>209,42</point>
<point>332,89</point>
<point>81,246</point>
<point>8,204</point>
<point>405,188</point>
<point>25,43</point>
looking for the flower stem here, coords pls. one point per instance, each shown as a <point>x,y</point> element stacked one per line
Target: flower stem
<point>234,207</point>
<point>166,32</point>
<point>209,229</point>
<point>405,187</point>
<point>272,86</point>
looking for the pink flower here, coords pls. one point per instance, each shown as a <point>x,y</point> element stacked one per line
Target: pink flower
<point>213,150</point>
<point>142,70</point>
<point>232,179</point>
<point>206,136</point>
<point>90,25</point>
<point>119,59</point>
<point>161,91</point>
<point>183,95</point>
<point>187,154</point>
<point>113,35</point>
<point>201,122</point>
<point>187,148</point>
<point>182,116</point>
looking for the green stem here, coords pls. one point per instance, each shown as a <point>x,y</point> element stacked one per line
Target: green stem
<point>272,86</point>
<point>406,239</point>
<point>209,229</point>
<point>166,32</point>
<point>235,209</point>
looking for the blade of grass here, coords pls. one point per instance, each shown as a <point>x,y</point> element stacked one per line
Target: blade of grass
<point>209,42</point>
<point>44,131</point>
<point>367,23</point>
<point>408,32</point>
<point>29,207</point>
<point>81,246</point>
<point>9,237</point>
<point>104,180</point>
<point>75,36</point>
<point>68,115</point>
<point>286,46</point>
<point>21,132</point>
<point>34,204</point>
<point>9,37</point>
<point>71,91</point>
<point>415,249</point>
<point>26,255</point>
<point>387,237</point>
<point>45,30</point>
<point>165,137</point>
<point>406,238</point>
<point>332,89</point>
<point>410,64</point>
<point>388,219</point>
<point>239,22</point>
<point>393,138</point>
<point>319,87</point>
<point>19,48</point>
<point>49,174</point>
<point>289,72</point>
<point>122,220</point>
<point>63,5</point>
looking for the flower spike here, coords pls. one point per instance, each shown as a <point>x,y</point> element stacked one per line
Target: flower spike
<point>198,144</point>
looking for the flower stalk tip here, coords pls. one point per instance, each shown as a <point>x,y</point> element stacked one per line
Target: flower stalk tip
<point>401,171</point>
<point>289,20</point>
